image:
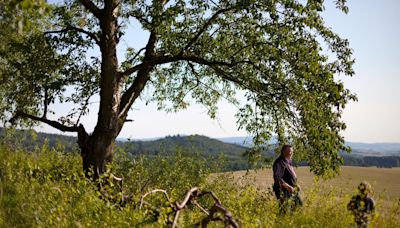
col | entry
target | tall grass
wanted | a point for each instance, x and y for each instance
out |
(46, 188)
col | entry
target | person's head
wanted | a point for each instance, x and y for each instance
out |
(287, 151)
(364, 188)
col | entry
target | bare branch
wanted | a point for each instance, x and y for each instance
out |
(190, 198)
(215, 198)
(201, 208)
(55, 124)
(133, 92)
(185, 201)
(187, 198)
(151, 192)
(196, 59)
(89, 5)
(196, 193)
(175, 222)
(228, 219)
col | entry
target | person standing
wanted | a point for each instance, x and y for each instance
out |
(286, 189)
(362, 205)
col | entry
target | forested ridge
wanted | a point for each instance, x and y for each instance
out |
(232, 154)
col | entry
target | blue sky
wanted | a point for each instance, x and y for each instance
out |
(373, 30)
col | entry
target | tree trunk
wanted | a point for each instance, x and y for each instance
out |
(97, 149)
(96, 152)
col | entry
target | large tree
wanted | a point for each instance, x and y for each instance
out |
(279, 53)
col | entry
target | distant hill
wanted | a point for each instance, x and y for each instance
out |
(375, 149)
(196, 144)
(358, 149)
(192, 144)
(242, 141)
(378, 154)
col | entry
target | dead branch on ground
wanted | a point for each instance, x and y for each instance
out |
(217, 212)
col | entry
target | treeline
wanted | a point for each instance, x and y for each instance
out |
(230, 155)
(30, 140)
(382, 162)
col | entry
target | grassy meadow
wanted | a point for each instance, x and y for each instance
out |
(46, 188)
(384, 181)
(336, 192)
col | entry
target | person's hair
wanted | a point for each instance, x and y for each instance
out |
(364, 187)
(285, 147)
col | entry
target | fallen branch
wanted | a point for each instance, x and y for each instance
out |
(151, 192)
(190, 198)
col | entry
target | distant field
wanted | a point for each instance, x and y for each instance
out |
(385, 181)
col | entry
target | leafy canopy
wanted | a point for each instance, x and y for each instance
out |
(279, 53)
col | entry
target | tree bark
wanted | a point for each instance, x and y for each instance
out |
(96, 152)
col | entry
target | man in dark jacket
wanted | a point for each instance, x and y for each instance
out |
(285, 181)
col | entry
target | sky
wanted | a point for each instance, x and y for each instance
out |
(372, 28)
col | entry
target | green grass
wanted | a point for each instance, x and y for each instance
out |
(46, 188)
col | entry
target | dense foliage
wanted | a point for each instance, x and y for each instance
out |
(47, 188)
(279, 54)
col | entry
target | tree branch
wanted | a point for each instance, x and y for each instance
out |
(72, 28)
(45, 102)
(180, 57)
(89, 34)
(89, 5)
(204, 27)
(198, 82)
(55, 124)
(131, 70)
(141, 79)
(215, 66)
(135, 68)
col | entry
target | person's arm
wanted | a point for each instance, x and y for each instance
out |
(351, 204)
(287, 186)
(372, 205)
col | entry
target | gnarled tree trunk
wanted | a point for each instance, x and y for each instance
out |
(96, 152)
